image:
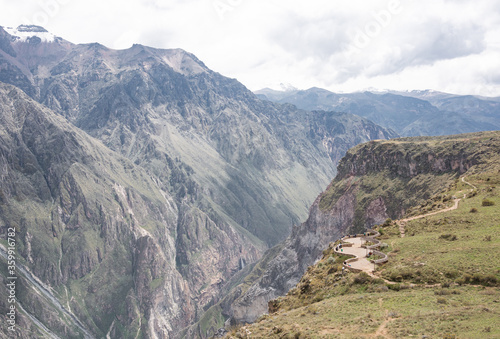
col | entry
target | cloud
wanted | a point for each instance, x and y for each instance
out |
(340, 45)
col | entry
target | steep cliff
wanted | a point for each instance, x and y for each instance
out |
(375, 181)
(97, 231)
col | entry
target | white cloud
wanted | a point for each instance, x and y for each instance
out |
(446, 45)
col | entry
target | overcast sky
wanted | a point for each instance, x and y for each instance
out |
(343, 46)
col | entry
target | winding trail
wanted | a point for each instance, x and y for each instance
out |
(402, 222)
(359, 253)
(361, 263)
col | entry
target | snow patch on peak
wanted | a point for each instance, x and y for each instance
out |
(30, 34)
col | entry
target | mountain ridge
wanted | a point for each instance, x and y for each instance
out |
(410, 113)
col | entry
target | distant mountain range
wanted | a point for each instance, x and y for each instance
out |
(414, 113)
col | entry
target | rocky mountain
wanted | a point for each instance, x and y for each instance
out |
(140, 182)
(375, 181)
(414, 113)
(94, 231)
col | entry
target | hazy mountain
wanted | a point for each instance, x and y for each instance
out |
(195, 178)
(412, 113)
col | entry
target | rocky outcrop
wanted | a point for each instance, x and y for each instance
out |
(408, 158)
(375, 181)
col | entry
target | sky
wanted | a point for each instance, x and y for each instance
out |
(343, 46)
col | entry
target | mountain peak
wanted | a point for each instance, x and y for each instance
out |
(31, 34)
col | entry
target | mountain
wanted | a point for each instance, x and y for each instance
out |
(194, 179)
(414, 113)
(441, 278)
(95, 229)
(375, 181)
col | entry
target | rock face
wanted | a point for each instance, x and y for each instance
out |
(205, 137)
(89, 223)
(140, 181)
(375, 181)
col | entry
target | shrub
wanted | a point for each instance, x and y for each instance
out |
(317, 298)
(333, 269)
(487, 202)
(387, 222)
(478, 279)
(473, 210)
(361, 279)
(442, 292)
(449, 237)
(394, 287)
(441, 300)
(472, 194)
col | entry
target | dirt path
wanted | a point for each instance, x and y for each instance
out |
(402, 222)
(382, 329)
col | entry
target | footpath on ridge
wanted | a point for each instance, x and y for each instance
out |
(402, 222)
(356, 245)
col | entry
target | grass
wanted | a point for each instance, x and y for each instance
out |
(442, 278)
(457, 246)
(416, 312)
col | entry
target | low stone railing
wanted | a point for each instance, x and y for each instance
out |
(382, 260)
(370, 235)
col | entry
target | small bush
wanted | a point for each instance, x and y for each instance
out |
(394, 287)
(478, 279)
(441, 301)
(317, 298)
(487, 202)
(473, 210)
(472, 194)
(442, 292)
(361, 279)
(387, 222)
(449, 237)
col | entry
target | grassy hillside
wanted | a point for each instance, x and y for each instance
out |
(442, 279)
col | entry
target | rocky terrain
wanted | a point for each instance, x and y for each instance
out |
(141, 183)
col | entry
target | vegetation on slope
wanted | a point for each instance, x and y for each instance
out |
(442, 279)
(407, 172)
